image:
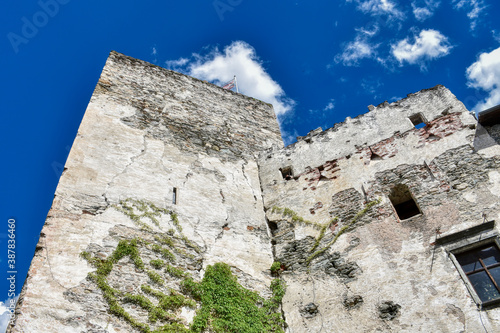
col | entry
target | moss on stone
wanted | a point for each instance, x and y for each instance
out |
(157, 263)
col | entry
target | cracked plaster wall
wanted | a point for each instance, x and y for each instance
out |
(376, 275)
(147, 130)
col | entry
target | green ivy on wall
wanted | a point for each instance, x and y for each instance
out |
(222, 304)
(295, 218)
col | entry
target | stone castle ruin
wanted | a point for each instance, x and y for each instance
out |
(180, 210)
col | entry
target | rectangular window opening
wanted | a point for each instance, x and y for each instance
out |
(418, 120)
(287, 172)
(174, 196)
(481, 268)
(403, 202)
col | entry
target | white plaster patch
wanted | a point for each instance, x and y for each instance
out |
(495, 180)
(187, 314)
(183, 94)
(302, 232)
(490, 151)
(470, 196)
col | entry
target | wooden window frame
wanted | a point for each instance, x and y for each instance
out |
(493, 240)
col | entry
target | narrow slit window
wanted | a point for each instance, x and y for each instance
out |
(418, 120)
(403, 202)
(287, 172)
(174, 196)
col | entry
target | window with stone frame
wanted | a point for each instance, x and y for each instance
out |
(287, 172)
(479, 266)
(403, 202)
(418, 120)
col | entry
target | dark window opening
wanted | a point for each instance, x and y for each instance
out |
(174, 196)
(481, 265)
(321, 168)
(374, 156)
(403, 202)
(273, 226)
(418, 120)
(287, 172)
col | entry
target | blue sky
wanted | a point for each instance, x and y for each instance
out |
(316, 61)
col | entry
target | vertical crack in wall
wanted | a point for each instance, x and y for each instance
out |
(269, 232)
(132, 160)
(245, 162)
(50, 266)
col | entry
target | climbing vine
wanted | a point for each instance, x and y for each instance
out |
(222, 304)
(295, 218)
(140, 210)
(342, 230)
(226, 306)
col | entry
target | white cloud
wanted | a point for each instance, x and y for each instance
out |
(330, 105)
(154, 53)
(473, 8)
(379, 8)
(176, 64)
(429, 45)
(370, 86)
(485, 74)
(354, 51)
(240, 59)
(5, 313)
(422, 10)
(368, 32)
(496, 35)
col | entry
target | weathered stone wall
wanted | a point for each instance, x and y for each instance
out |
(115, 247)
(147, 131)
(351, 265)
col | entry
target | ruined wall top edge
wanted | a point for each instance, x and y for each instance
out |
(192, 114)
(382, 122)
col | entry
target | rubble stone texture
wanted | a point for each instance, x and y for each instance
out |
(321, 207)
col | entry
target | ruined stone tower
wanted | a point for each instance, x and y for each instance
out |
(385, 222)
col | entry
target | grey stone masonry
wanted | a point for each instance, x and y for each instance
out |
(356, 212)
(192, 114)
(163, 165)
(368, 219)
